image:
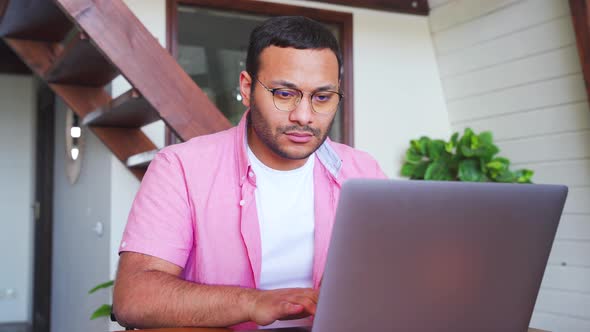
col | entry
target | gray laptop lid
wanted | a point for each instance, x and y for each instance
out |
(437, 256)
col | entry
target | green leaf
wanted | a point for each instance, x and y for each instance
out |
(486, 138)
(104, 310)
(420, 146)
(455, 138)
(439, 171)
(505, 176)
(450, 146)
(485, 152)
(524, 176)
(103, 285)
(420, 170)
(435, 149)
(482, 166)
(412, 156)
(469, 170)
(467, 151)
(498, 164)
(408, 169)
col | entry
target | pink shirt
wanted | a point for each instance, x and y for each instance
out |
(196, 207)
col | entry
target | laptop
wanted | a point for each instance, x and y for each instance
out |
(437, 256)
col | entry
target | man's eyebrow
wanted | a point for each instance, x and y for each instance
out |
(290, 85)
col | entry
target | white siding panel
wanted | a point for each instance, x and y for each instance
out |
(547, 93)
(513, 18)
(578, 201)
(569, 173)
(567, 277)
(460, 11)
(559, 119)
(574, 227)
(559, 323)
(539, 39)
(570, 253)
(564, 302)
(547, 148)
(541, 67)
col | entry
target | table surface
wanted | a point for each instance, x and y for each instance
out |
(293, 329)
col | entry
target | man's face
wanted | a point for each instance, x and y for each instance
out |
(284, 140)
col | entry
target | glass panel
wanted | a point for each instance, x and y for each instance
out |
(212, 46)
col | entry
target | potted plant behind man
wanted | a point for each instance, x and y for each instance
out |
(471, 157)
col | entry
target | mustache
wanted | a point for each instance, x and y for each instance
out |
(313, 131)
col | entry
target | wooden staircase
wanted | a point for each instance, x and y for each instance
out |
(79, 46)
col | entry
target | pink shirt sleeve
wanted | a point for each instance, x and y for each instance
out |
(160, 222)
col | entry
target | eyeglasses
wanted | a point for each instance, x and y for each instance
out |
(287, 99)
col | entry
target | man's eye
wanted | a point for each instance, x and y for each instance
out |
(285, 94)
(323, 97)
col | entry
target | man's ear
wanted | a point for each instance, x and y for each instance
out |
(245, 87)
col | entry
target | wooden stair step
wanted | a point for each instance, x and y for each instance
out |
(130, 110)
(40, 20)
(80, 63)
(141, 160)
(123, 142)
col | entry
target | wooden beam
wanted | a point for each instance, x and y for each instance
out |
(415, 7)
(124, 40)
(580, 10)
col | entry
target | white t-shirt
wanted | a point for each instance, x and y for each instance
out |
(285, 206)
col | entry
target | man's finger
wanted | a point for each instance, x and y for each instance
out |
(288, 308)
(306, 302)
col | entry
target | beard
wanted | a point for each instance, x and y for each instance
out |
(262, 129)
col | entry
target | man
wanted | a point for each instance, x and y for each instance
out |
(233, 228)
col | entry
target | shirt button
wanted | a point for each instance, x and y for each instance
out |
(242, 202)
(251, 174)
(124, 244)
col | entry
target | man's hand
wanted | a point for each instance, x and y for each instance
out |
(283, 304)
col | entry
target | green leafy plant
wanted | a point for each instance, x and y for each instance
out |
(471, 157)
(105, 309)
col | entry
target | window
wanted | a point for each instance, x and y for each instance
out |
(210, 39)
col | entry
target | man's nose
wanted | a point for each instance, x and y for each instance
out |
(303, 112)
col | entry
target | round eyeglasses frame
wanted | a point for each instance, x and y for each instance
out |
(274, 91)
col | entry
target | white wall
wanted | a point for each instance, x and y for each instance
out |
(512, 67)
(17, 174)
(80, 256)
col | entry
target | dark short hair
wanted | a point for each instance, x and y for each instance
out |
(290, 31)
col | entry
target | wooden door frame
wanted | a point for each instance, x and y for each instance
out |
(341, 19)
(43, 216)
